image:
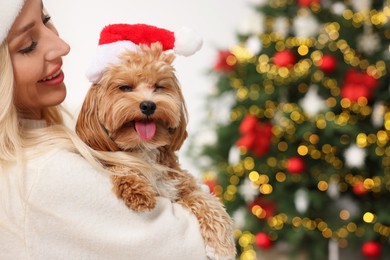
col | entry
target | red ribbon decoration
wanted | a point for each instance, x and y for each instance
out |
(221, 64)
(256, 136)
(358, 84)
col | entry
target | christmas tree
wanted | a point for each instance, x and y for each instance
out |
(301, 158)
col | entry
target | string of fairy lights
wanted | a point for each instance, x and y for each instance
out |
(311, 52)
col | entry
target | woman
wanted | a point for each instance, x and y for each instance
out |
(55, 198)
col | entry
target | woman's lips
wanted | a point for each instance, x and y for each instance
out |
(54, 79)
(52, 76)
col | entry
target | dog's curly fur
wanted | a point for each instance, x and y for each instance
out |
(143, 89)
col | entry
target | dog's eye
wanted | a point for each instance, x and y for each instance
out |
(126, 88)
(157, 87)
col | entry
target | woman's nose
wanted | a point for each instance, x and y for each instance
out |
(57, 47)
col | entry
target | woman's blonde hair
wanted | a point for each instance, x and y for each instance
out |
(9, 134)
(15, 140)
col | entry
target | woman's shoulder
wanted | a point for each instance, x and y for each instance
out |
(64, 165)
(62, 180)
(62, 170)
(59, 158)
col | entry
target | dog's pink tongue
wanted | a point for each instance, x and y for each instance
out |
(145, 129)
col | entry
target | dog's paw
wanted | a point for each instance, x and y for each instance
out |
(220, 250)
(139, 202)
(212, 255)
(217, 230)
(136, 193)
(216, 226)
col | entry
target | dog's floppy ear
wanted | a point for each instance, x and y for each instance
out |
(88, 126)
(179, 134)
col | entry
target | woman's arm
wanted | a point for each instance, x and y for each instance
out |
(72, 213)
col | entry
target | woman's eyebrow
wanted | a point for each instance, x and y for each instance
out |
(22, 30)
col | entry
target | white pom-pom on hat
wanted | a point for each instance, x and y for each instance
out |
(187, 42)
(117, 38)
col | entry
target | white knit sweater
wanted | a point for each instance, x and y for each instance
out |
(59, 207)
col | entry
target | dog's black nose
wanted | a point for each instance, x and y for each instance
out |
(147, 107)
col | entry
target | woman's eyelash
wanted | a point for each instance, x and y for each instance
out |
(29, 48)
(34, 44)
(46, 19)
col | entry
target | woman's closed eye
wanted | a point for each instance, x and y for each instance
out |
(30, 48)
(45, 19)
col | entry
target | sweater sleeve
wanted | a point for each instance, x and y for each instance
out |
(72, 213)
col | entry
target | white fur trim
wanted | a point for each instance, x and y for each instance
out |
(187, 41)
(107, 54)
(9, 11)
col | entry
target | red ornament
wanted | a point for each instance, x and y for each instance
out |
(328, 63)
(307, 3)
(211, 185)
(358, 188)
(358, 84)
(263, 241)
(226, 61)
(267, 205)
(295, 165)
(372, 249)
(284, 58)
(256, 136)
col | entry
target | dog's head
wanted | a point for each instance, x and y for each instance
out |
(137, 104)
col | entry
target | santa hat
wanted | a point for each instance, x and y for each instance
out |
(9, 11)
(117, 38)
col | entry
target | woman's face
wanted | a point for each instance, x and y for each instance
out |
(36, 52)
